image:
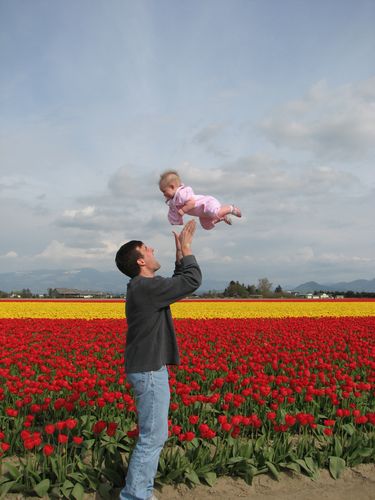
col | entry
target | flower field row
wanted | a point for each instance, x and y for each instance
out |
(196, 309)
(251, 395)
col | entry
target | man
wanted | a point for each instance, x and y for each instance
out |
(150, 346)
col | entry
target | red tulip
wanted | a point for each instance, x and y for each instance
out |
(48, 449)
(62, 438)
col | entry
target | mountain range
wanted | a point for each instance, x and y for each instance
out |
(82, 279)
(113, 282)
(343, 286)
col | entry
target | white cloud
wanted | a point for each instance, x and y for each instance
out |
(211, 138)
(332, 123)
(83, 212)
(308, 255)
(208, 133)
(60, 252)
(22, 187)
(294, 219)
(191, 103)
(260, 175)
(122, 183)
(9, 255)
(340, 258)
(208, 254)
(304, 254)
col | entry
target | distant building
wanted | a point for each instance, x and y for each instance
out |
(313, 296)
(72, 293)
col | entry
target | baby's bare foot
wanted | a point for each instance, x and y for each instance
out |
(236, 211)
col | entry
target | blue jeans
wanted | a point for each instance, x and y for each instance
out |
(152, 395)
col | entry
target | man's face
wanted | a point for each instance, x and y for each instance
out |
(148, 258)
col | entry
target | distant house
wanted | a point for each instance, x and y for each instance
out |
(72, 293)
(322, 295)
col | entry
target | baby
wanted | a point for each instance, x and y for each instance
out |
(182, 200)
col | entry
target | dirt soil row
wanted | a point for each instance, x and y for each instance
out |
(357, 483)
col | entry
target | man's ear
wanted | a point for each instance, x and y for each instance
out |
(140, 261)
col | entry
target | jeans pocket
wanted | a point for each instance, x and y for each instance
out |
(138, 382)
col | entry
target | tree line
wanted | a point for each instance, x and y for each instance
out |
(235, 289)
(264, 289)
(25, 293)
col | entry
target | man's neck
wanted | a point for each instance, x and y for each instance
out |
(146, 273)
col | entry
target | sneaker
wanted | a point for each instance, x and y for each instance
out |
(236, 211)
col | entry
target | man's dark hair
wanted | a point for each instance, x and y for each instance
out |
(127, 256)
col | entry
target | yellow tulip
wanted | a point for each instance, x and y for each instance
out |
(196, 309)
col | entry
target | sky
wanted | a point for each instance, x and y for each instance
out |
(266, 104)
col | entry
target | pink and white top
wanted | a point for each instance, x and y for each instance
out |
(206, 207)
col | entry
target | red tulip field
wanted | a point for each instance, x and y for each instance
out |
(263, 387)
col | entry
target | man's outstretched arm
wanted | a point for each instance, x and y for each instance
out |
(184, 240)
(187, 276)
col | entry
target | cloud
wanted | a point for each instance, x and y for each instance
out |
(122, 183)
(259, 175)
(130, 199)
(211, 138)
(309, 255)
(331, 123)
(208, 133)
(293, 216)
(209, 254)
(85, 218)
(340, 258)
(11, 183)
(9, 255)
(21, 186)
(84, 212)
(275, 198)
(60, 254)
(82, 224)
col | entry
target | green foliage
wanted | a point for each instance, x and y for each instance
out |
(336, 466)
(195, 462)
(235, 289)
(239, 290)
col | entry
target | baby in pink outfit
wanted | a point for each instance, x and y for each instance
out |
(182, 200)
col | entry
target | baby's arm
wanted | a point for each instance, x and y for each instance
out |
(189, 205)
(173, 216)
(185, 199)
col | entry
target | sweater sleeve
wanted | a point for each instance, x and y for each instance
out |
(178, 267)
(173, 216)
(183, 195)
(185, 280)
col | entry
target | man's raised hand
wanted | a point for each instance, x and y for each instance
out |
(186, 237)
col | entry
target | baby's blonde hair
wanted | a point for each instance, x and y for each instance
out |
(169, 177)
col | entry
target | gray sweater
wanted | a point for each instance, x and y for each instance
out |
(151, 339)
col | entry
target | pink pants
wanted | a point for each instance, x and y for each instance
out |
(206, 208)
